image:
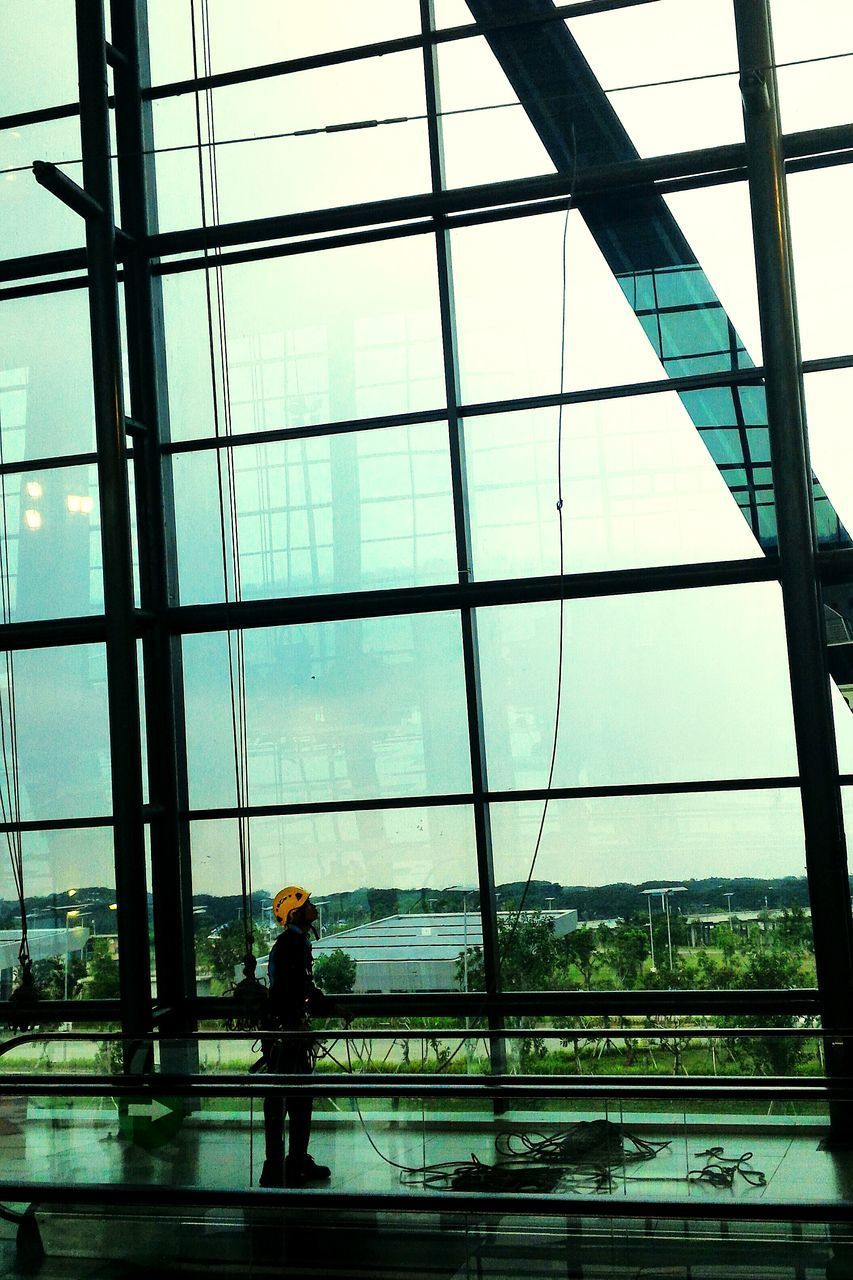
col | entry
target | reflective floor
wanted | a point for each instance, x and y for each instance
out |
(774, 1159)
(779, 1159)
(662, 1157)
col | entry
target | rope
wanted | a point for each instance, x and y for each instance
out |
(10, 792)
(562, 555)
(236, 652)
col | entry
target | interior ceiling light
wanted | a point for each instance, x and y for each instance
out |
(32, 519)
(33, 489)
(77, 504)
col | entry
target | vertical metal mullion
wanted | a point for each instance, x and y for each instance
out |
(470, 651)
(122, 674)
(171, 877)
(826, 853)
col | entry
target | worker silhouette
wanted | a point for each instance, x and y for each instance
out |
(293, 998)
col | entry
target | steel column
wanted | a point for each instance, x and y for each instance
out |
(122, 674)
(171, 880)
(826, 854)
(462, 529)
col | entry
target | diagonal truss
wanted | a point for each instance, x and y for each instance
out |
(650, 257)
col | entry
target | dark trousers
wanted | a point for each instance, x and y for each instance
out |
(288, 1058)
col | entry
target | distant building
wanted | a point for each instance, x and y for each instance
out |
(45, 944)
(419, 952)
(700, 928)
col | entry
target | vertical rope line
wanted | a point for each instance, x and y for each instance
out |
(243, 739)
(562, 551)
(562, 602)
(218, 385)
(10, 794)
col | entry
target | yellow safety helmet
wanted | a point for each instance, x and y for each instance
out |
(288, 900)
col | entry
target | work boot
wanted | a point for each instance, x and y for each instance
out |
(272, 1174)
(300, 1170)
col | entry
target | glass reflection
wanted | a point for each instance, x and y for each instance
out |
(342, 512)
(664, 687)
(339, 710)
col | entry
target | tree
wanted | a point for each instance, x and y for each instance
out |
(625, 951)
(335, 973)
(103, 983)
(794, 928)
(769, 968)
(580, 948)
(531, 958)
(726, 939)
(49, 977)
(227, 950)
(382, 903)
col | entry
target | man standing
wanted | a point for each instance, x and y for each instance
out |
(293, 999)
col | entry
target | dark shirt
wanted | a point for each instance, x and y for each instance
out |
(294, 998)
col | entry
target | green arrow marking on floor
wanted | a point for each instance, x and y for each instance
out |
(152, 1122)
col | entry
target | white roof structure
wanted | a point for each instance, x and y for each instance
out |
(44, 943)
(418, 952)
(428, 936)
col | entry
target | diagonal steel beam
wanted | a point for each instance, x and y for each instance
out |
(642, 243)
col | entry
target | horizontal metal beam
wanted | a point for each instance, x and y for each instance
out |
(312, 62)
(593, 180)
(480, 203)
(459, 1005)
(196, 619)
(455, 1034)
(480, 1206)
(552, 1004)
(224, 813)
(589, 395)
(53, 633)
(461, 798)
(347, 1084)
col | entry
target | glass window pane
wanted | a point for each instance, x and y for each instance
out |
(670, 686)
(828, 406)
(46, 404)
(380, 877)
(69, 884)
(687, 102)
(52, 518)
(34, 221)
(507, 283)
(39, 40)
(271, 33)
(261, 172)
(349, 512)
(639, 303)
(737, 858)
(820, 231)
(62, 729)
(819, 38)
(639, 488)
(451, 13)
(339, 710)
(717, 222)
(319, 337)
(487, 135)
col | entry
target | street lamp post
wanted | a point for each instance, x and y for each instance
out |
(663, 892)
(464, 889)
(68, 914)
(677, 888)
(648, 893)
(728, 897)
